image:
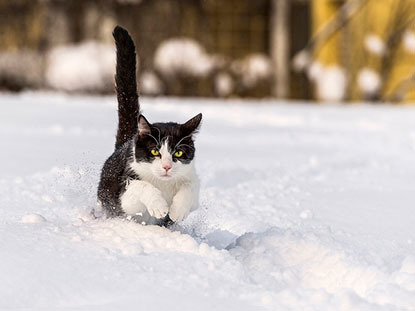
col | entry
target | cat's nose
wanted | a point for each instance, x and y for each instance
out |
(167, 167)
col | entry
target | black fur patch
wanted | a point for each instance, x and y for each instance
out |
(126, 86)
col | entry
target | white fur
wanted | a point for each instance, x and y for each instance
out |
(184, 200)
(157, 190)
(166, 157)
(150, 199)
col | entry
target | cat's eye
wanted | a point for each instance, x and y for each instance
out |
(154, 152)
(178, 154)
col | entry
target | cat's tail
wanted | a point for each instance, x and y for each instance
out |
(126, 86)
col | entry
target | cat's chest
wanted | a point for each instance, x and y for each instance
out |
(168, 189)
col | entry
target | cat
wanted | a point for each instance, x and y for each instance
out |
(151, 174)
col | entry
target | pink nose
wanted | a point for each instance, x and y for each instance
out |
(167, 167)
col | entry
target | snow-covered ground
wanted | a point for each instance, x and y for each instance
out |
(303, 207)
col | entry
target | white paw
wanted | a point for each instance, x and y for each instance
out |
(178, 212)
(158, 208)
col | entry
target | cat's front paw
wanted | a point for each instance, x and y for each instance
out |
(178, 212)
(158, 208)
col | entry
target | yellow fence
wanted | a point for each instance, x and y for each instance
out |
(374, 44)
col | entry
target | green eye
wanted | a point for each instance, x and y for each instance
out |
(178, 154)
(154, 152)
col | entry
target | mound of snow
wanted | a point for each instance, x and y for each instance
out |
(86, 67)
(291, 259)
(329, 274)
(183, 56)
(33, 218)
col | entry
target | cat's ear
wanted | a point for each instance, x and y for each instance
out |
(192, 126)
(144, 127)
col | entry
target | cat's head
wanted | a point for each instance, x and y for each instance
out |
(165, 150)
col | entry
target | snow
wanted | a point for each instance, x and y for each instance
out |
(150, 84)
(224, 84)
(302, 60)
(302, 207)
(369, 81)
(33, 218)
(253, 69)
(409, 41)
(183, 56)
(375, 44)
(315, 71)
(86, 67)
(331, 83)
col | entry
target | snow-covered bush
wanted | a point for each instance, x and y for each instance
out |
(183, 56)
(21, 69)
(252, 69)
(87, 67)
(186, 68)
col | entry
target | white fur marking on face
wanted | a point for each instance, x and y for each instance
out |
(166, 158)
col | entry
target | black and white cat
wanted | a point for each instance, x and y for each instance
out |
(151, 174)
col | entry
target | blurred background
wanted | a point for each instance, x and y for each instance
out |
(326, 50)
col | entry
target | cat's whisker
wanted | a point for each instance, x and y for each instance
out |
(182, 140)
(159, 132)
(157, 142)
(191, 147)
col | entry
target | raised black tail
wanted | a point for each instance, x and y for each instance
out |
(126, 86)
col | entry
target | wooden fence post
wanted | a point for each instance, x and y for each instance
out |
(280, 47)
